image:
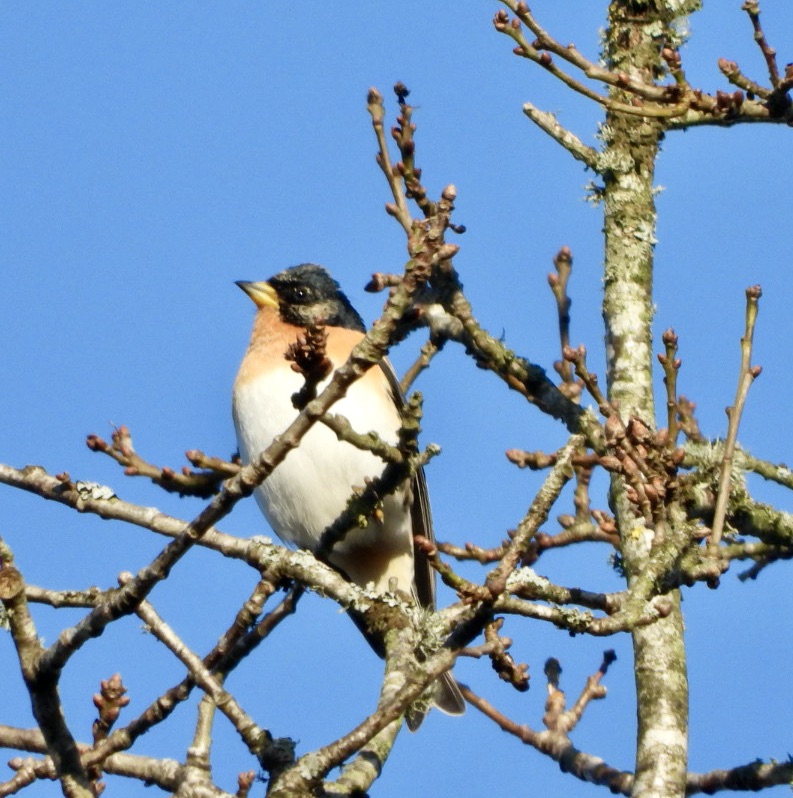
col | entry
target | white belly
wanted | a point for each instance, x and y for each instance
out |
(312, 486)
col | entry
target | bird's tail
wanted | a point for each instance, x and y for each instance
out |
(446, 697)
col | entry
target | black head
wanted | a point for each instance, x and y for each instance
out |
(306, 295)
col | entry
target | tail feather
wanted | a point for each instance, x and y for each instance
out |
(446, 697)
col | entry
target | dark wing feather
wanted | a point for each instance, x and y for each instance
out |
(448, 697)
(420, 515)
(447, 694)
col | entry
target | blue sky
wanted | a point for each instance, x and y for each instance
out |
(154, 153)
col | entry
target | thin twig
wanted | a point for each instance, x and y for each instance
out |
(558, 477)
(204, 678)
(399, 210)
(186, 483)
(748, 374)
(752, 8)
(732, 72)
(422, 362)
(666, 102)
(558, 280)
(548, 123)
(671, 365)
(556, 746)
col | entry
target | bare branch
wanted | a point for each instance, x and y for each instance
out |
(671, 365)
(400, 210)
(560, 474)
(556, 745)
(187, 483)
(548, 123)
(41, 682)
(752, 8)
(748, 374)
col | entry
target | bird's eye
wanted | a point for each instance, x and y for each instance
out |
(301, 294)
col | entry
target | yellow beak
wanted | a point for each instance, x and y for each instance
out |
(262, 294)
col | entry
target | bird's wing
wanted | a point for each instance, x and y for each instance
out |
(447, 696)
(420, 514)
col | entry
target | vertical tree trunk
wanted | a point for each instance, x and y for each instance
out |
(637, 32)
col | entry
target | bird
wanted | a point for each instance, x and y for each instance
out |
(308, 491)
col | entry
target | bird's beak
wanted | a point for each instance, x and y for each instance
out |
(263, 294)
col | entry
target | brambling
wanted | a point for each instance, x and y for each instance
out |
(312, 486)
